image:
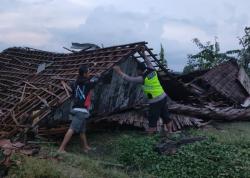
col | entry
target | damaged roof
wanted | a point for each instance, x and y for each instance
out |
(33, 82)
(225, 79)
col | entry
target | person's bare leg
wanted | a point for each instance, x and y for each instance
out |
(151, 130)
(66, 139)
(84, 142)
(169, 127)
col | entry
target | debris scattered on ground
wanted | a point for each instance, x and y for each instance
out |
(169, 147)
(8, 148)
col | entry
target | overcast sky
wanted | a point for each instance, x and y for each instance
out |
(52, 24)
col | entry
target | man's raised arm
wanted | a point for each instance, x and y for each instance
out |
(138, 79)
(147, 61)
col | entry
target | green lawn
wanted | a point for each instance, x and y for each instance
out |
(226, 153)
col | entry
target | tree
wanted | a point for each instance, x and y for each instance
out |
(244, 53)
(162, 56)
(208, 57)
(190, 67)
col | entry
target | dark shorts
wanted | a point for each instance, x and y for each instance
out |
(157, 110)
(78, 123)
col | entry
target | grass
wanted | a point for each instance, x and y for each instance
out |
(70, 165)
(226, 153)
(100, 163)
(236, 133)
(203, 159)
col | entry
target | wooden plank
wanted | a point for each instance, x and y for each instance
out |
(211, 112)
(244, 79)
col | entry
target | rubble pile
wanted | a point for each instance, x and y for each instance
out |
(35, 85)
(221, 93)
(35, 90)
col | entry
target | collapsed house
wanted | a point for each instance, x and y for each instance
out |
(35, 85)
(35, 90)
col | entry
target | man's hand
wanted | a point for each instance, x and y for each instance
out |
(98, 75)
(143, 50)
(117, 69)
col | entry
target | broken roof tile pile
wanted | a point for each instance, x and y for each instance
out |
(33, 82)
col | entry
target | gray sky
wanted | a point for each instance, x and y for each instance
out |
(51, 24)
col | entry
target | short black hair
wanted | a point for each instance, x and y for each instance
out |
(83, 69)
(141, 66)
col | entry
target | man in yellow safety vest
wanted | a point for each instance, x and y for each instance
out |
(154, 92)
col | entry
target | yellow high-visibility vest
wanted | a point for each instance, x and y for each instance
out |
(152, 87)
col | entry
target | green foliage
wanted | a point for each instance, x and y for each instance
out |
(163, 60)
(203, 159)
(245, 51)
(208, 57)
(190, 67)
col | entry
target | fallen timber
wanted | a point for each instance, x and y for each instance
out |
(209, 112)
(169, 147)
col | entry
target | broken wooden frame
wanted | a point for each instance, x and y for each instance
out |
(29, 92)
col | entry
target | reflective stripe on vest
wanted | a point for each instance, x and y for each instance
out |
(152, 87)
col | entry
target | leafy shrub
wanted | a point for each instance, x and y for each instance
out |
(202, 159)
